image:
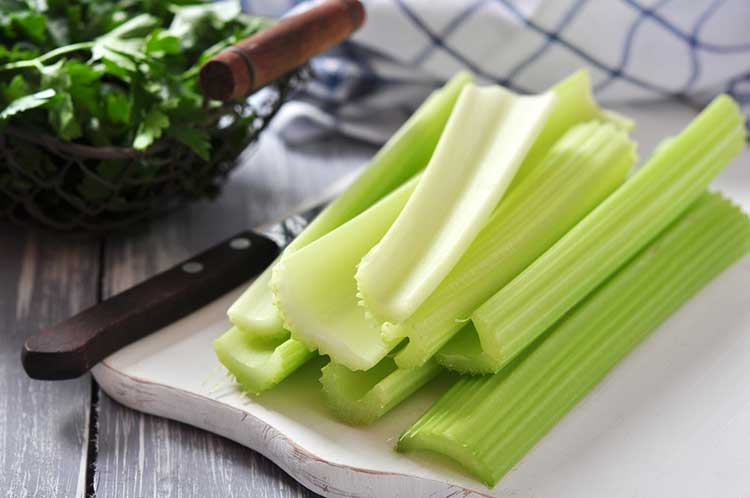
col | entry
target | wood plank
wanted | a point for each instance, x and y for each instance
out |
(142, 455)
(43, 425)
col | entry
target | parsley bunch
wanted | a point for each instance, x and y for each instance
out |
(119, 72)
(102, 122)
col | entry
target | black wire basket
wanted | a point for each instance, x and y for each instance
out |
(83, 188)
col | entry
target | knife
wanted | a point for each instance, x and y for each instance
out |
(69, 349)
(72, 347)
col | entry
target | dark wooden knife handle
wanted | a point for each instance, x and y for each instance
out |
(275, 51)
(69, 349)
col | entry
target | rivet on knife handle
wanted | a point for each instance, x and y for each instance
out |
(275, 51)
(71, 348)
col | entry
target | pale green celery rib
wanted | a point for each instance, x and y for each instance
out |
(574, 105)
(611, 234)
(487, 424)
(485, 140)
(316, 294)
(361, 398)
(254, 311)
(405, 154)
(585, 166)
(464, 354)
(259, 364)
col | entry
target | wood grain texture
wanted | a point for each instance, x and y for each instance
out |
(275, 51)
(141, 455)
(43, 425)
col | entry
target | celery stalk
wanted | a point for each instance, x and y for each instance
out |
(487, 424)
(316, 294)
(485, 140)
(254, 311)
(406, 153)
(464, 354)
(574, 105)
(582, 169)
(677, 173)
(362, 397)
(256, 363)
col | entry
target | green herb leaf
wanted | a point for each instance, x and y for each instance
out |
(84, 86)
(160, 43)
(118, 107)
(81, 74)
(125, 42)
(31, 24)
(17, 52)
(195, 138)
(150, 129)
(62, 117)
(16, 89)
(190, 19)
(27, 102)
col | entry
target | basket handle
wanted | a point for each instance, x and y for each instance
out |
(273, 52)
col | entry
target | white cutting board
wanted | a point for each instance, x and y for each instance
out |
(673, 419)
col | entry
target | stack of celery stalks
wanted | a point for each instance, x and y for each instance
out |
(502, 237)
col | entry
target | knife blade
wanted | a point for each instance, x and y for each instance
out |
(72, 347)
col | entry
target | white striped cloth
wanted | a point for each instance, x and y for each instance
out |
(635, 50)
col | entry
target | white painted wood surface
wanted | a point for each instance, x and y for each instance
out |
(672, 420)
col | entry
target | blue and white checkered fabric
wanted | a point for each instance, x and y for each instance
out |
(688, 50)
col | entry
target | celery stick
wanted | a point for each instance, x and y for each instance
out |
(678, 172)
(485, 140)
(464, 354)
(487, 424)
(316, 294)
(259, 364)
(254, 311)
(574, 105)
(362, 397)
(581, 170)
(406, 153)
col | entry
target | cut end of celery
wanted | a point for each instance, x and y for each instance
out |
(350, 394)
(621, 121)
(404, 155)
(360, 398)
(393, 331)
(316, 294)
(575, 104)
(419, 350)
(464, 354)
(254, 310)
(259, 364)
(444, 444)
